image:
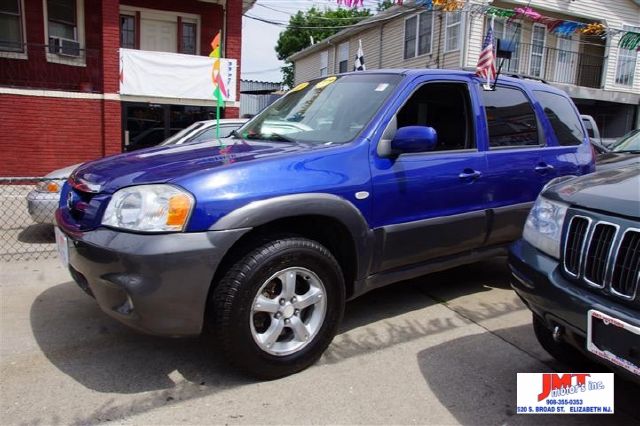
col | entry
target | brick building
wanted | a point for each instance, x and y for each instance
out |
(60, 75)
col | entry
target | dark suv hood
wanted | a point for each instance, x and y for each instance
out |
(614, 160)
(163, 164)
(616, 191)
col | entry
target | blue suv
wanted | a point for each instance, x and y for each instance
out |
(347, 183)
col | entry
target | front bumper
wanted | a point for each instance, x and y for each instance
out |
(42, 206)
(157, 283)
(537, 279)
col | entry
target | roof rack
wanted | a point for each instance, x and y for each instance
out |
(526, 77)
(512, 74)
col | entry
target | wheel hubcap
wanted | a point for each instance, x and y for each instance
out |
(288, 311)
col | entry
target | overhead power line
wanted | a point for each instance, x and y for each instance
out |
(354, 18)
(309, 27)
(261, 71)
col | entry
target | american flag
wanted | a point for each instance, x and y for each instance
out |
(486, 62)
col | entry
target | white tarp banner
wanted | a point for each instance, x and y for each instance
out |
(173, 75)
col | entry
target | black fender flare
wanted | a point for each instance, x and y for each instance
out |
(260, 212)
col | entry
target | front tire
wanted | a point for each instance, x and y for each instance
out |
(277, 309)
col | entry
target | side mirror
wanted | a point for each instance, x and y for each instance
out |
(414, 139)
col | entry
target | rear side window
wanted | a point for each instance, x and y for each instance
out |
(589, 127)
(510, 117)
(562, 116)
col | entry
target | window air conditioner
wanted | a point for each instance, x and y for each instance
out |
(64, 47)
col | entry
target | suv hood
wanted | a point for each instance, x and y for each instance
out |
(615, 190)
(163, 164)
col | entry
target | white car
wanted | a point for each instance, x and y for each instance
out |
(42, 202)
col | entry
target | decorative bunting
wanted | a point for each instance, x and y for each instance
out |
(527, 12)
(448, 5)
(500, 13)
(356, 3)
(551, 23)
(567, 28)
(428, 4)
(594, 29)
(629, 40)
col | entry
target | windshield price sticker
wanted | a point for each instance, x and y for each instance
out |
(300, 86)
(327, 81)
(381, 87)
(565, 393)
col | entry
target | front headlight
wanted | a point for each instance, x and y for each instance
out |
(49, 186)
(544, 226)
(149, 208)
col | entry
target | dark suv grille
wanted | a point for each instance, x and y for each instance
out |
(575, 241)
(598, 253)
(626, 270)
(603, 255)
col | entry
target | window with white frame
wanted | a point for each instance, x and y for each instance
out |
(453, 31)
(509, 32)
(128, 31)
(626, 63)
(11, 26)
(159, 30)
(536, 61)
(418, 34)
(188, 38)
(343, 57)
(64, 31)
(62, 19)
(410, 32)
(324, 63)
(425, 32)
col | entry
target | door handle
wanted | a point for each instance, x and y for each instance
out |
(543, 167)
(470, 174)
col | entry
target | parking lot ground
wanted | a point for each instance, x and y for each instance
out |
(441, 349)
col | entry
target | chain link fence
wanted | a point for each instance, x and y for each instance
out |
(26, 225)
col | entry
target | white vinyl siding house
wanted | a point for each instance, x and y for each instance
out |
(414, 39)
(593, 70)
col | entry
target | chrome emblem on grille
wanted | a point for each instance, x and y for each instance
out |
(70, 200)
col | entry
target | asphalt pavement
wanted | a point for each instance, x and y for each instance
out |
(441, 349)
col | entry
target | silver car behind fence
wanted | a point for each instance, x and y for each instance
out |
(26, 232)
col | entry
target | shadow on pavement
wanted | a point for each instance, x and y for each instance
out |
(107, 357)
(478, 386)
(37, 234)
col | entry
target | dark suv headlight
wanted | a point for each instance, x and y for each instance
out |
(543, 228)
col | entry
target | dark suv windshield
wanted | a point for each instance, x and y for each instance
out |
(329, 110)
(629, 142)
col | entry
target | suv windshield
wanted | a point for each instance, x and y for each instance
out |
(330, 110)
(629, 143)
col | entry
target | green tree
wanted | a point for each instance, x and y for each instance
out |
(315, 23)
(385, 4)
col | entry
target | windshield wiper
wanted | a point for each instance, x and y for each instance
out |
(629, 151)
(280, 137)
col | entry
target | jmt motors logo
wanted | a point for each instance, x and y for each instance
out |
(565, 393)
(562, 384)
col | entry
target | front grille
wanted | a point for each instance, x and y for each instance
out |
(575, 241)
(598, 253)
(603, 254)
(626, 269)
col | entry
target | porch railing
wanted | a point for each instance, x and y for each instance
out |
(556, 65)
